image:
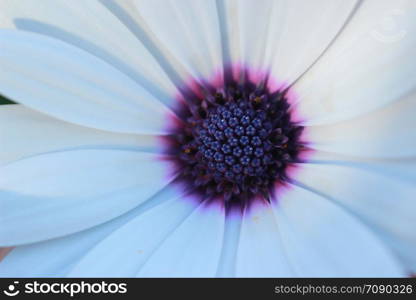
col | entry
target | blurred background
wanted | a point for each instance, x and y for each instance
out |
(5, 101)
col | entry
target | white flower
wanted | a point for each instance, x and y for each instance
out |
(87, 189)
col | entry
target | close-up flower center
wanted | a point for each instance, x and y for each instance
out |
(211, 138)
(236, 142)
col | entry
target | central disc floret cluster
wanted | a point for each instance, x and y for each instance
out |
(235, 143)
(232, 142)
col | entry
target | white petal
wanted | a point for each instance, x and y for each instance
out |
(192, 250)
(231, 238)
(261, 252)
(370, 65)
(400, 168)
(285, 36)
(123, 252)
(188, 29)
(387, 132)
(59, 193)
(383, 202)
(323, 240)
(25, 132)
(59, 256)
(128, 14)
(52, 258)
(68, 83)
(94, 28)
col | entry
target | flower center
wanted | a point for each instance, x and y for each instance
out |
(235, 143)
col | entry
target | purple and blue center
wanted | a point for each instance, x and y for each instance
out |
(235, 142)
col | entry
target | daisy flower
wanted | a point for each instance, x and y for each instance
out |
(202, 138)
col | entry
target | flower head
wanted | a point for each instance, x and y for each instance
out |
(207, 138)
(234, 143)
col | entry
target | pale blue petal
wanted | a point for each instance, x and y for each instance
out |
(260, 251)
(192, 250)
(55, 194)
(92, 27)
(382, 201)
(385, 133)
(25, 132)
(70, 84)
(321, 239)
(127, 249)
(370, 65)
(188, 33)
